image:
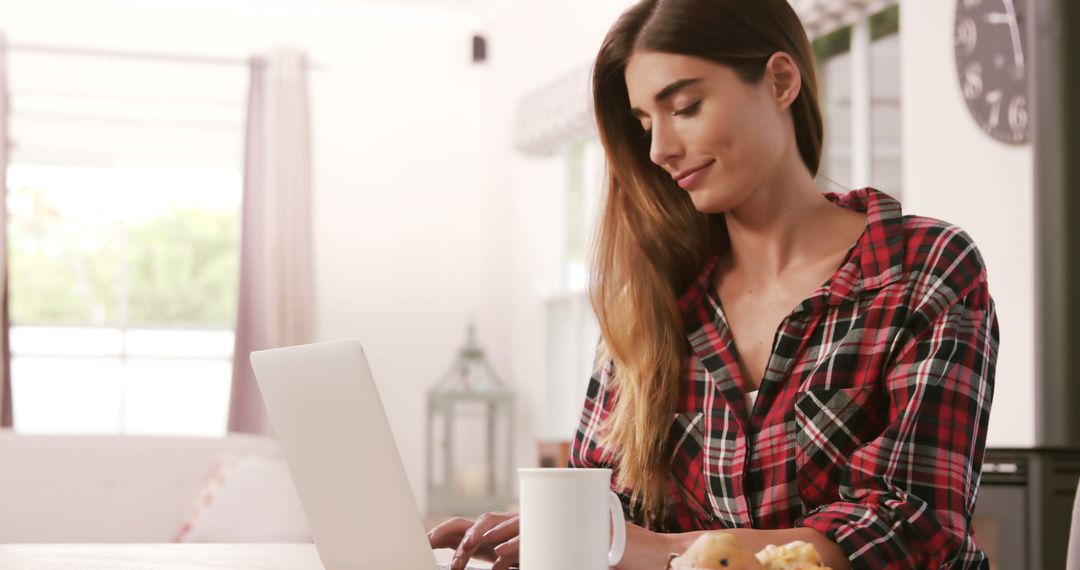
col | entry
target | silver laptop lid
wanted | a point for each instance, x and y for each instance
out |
(326, 413)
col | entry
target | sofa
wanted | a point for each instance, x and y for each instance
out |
(145, 489)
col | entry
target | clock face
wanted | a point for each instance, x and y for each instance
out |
(991, 63)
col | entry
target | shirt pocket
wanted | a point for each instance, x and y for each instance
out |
(830, 426)
(688, 477)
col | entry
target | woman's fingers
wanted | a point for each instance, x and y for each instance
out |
(503, 532)
(507, 554)
(449, 533)
(473, 539)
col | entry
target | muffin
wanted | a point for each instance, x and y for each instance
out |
(715, 551)
(723, 551)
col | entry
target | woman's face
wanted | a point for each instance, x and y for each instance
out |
(719, 137)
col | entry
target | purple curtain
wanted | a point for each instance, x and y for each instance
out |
(276, 305)
(245, 405)
(7, 416)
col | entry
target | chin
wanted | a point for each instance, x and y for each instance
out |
(713, 200)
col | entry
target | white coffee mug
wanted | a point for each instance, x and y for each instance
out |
(566, 519)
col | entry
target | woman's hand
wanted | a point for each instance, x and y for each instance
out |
(493, 537)
(647, 550)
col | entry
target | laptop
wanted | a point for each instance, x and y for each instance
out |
(325, 410)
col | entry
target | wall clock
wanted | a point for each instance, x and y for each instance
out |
(991, 65)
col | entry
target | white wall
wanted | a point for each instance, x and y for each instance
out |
(953, 171)
(398, 188)
(532, 44)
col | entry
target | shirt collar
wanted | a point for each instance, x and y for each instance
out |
(876, 260)
(879, 254)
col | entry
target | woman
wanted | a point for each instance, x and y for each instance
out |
(828, 362)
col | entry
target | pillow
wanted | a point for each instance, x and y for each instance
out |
(246, 499)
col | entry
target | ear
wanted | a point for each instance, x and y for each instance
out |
(785, 79)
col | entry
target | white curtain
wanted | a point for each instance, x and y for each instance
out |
(276, 283)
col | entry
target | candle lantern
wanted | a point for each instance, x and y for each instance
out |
(470, 438)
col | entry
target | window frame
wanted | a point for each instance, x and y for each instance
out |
(857, 39)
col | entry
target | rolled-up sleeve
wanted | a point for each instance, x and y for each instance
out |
(907, 496)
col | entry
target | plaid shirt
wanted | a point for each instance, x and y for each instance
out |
(870, 422)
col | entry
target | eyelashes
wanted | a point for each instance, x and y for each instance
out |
(688, 111)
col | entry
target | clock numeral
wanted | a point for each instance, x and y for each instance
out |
(973, 84)
(1018, 115)
(994, 99)
(967, 34)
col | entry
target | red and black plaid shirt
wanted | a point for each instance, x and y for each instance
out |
(870, 422)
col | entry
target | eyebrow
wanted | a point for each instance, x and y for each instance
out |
(666, 92)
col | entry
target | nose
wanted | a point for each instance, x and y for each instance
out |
(665, 145)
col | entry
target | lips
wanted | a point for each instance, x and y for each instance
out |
(689, 178)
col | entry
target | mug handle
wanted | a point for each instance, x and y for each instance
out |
(618, 524)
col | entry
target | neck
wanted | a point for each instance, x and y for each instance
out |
(774, 229)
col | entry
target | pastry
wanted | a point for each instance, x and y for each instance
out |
(715, 551)
(723, 551)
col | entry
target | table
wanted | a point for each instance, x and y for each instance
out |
(167, 557)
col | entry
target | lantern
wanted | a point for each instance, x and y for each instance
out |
(470, 438)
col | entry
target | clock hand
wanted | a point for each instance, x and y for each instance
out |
(998, 18)
(1014, 28)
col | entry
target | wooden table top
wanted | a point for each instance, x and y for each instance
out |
(167, 557)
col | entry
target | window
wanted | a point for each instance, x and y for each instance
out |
(860, 100)
(124, 193)
(572, 329)
(584, 174)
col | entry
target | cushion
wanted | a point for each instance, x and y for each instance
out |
(128, 488)
(246, 499)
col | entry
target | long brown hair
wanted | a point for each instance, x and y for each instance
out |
(652, 241)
